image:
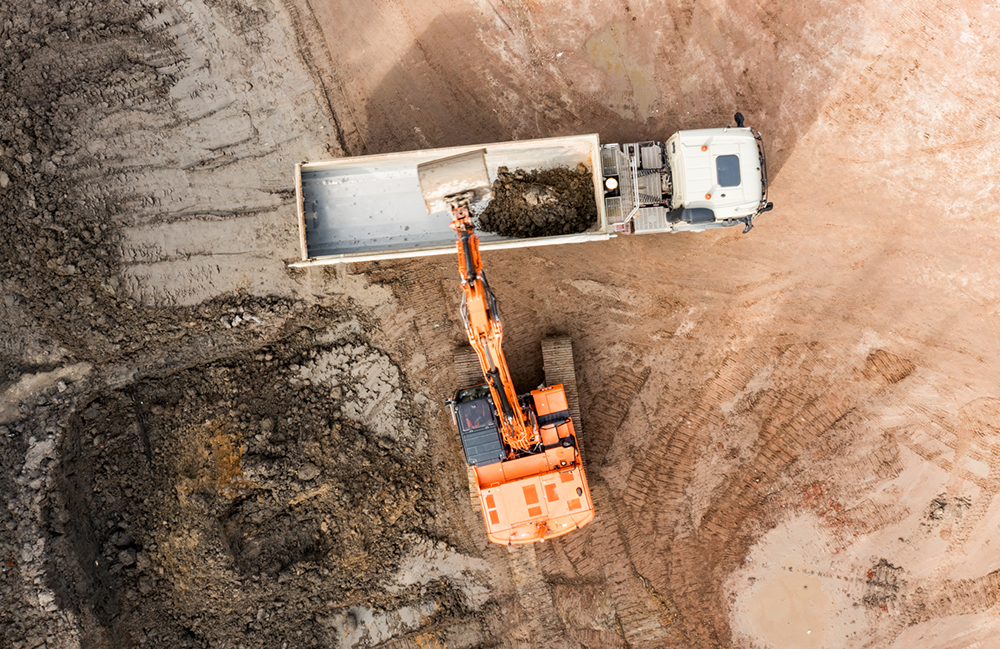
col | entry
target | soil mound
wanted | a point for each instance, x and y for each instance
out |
(540, 203)
(268, 480)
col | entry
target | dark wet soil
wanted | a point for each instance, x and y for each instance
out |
(540, 203)
(235, 502)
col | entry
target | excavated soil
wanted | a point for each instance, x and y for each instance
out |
(260, 487)
(541, 203)
(792, 435)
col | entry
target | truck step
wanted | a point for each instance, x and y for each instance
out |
(468, 371)
(613, 207)
(557, 362)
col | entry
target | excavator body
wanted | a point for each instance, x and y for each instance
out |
(523, 451)
(533, 497)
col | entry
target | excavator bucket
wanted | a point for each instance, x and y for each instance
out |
(448, 181)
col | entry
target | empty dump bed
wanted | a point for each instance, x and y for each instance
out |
(365, 208)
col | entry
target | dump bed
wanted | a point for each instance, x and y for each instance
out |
(371, 207)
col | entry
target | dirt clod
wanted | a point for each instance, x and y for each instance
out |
(541, 203)
(882, 584)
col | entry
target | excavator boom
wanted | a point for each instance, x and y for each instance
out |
(485, 332)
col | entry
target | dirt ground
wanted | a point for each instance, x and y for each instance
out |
(792, 436)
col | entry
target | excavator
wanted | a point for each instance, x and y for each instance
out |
(523, 451)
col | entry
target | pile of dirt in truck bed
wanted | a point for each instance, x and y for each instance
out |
(540, 203)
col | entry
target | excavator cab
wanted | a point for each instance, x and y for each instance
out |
(473, 413)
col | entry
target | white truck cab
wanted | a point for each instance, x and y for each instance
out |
(698, 179)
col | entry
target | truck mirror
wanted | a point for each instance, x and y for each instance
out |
(739, 120)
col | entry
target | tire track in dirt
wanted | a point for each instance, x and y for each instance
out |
(425, 320)
(611, 405)
(312, 49)
(938, 596)
(933, 599)
(601, 552)
(698, 554)
(546, 627)
(977, 439)
(975, 455)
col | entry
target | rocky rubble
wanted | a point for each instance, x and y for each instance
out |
(239, 482)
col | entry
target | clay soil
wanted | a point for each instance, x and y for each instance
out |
(792, 435)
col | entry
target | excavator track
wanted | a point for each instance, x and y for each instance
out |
(468, 371)
(557, 362)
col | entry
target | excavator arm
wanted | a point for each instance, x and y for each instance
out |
(518, 424)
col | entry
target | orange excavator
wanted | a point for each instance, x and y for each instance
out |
(522, 449)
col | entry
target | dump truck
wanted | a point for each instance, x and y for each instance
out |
(371, 207)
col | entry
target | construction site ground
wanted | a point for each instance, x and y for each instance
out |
(792, 436)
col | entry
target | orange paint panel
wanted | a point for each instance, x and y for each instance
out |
(494, 517)
(550, 399)
(551, 494)
(490, 502)
(550, 435)
(490, 475)
(524, 467)
(566, 476)
(534, 511)
(556, 456)
(573, 504)
(530, 495)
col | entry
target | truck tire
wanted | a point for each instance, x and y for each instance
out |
(557, 362)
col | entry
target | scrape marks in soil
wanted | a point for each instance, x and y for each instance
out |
(892, 368)
(611, 405)
(788, 398)
(969, 450)
(535, 598)
(898, 604)
(424, 320)
(603, 551)
(661, 465)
